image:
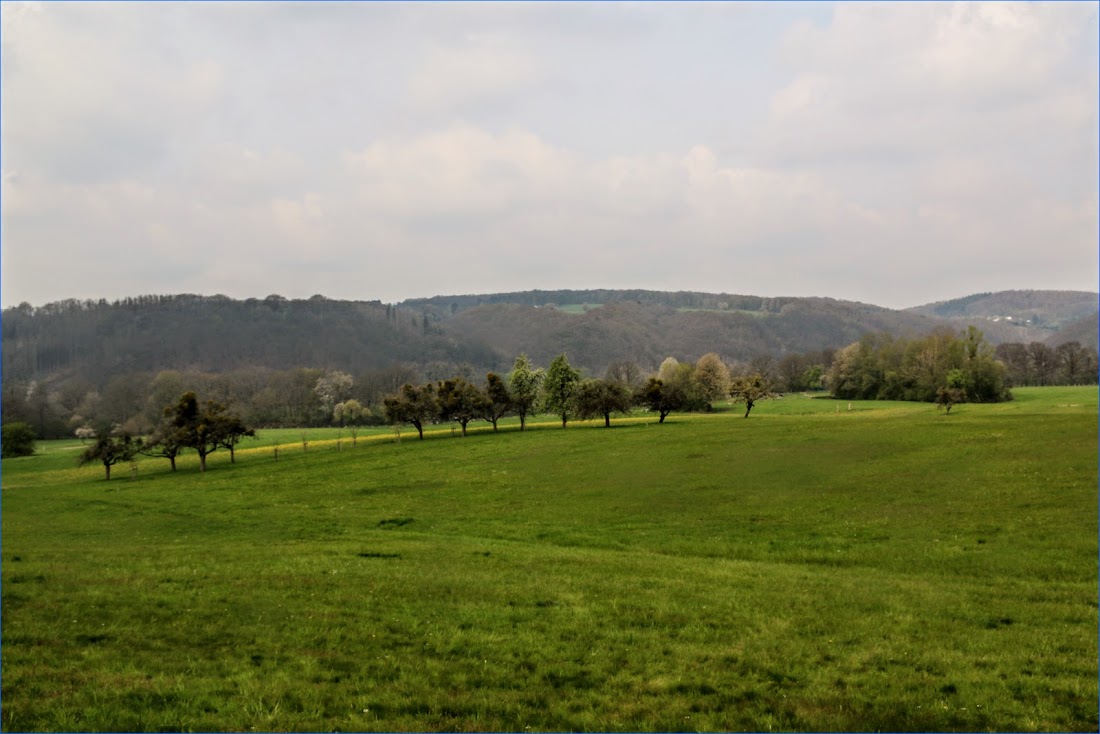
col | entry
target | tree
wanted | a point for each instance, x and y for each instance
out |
(748, 389)
(667, 371)
(525, 385)
(1073, 360)
(17, 439)
(461, 401)
(953, 392)
(331, 389)
(414, 405)
(1017, 364)
(111, 450)
(661, 398)
(601, 397)
(626, 373)
(349, 412)
(1044, 362)
(814, 377)
(230, 430)
(712, 378)
(498, 400)
(204, 427)
(559, 386)
(164, 442)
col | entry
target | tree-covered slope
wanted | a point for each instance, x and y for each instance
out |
(1041, 309)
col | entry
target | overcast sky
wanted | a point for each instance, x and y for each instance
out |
(888, 153)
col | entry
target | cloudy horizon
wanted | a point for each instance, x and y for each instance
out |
(888, 153)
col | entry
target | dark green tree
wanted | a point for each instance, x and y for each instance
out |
(461, 401)
(231, 430)
(111, 450)
(204, 427)
(413, 405)
(499, 400)
(661, 398)
(601, 398)
(17, 439)
(559, 386)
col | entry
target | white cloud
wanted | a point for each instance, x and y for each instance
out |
(483, 70)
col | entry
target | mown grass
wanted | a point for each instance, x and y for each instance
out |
(887, 567)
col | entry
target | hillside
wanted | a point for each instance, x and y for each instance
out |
(647, 333)
(1083, 330)
(96, 340)
(1048, 310)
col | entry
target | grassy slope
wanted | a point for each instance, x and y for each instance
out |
(884, 567)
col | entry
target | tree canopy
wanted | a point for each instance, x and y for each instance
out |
(17, 439)
(559, 386)
(413, 405)
(525, 386)
(595, 398)
(110, 450)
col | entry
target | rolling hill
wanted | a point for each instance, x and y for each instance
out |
(95, 340)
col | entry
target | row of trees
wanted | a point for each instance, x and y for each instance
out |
(563, 391)
(1038, 364)
(316, 397)
(203, 427)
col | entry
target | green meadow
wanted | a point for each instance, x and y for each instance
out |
(819, 566)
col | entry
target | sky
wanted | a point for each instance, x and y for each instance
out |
(889, 153)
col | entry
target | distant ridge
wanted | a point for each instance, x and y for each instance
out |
(95, 341)
(1043, 309)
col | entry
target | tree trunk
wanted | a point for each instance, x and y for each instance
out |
(108, 468)
(563, 419)
(172, 461)
(607, 420)
(748, 407)
(523, 421)
(419, 430)
(494, 425)
(202, 461)
(232, 458)
(663, 416)
(463, 428)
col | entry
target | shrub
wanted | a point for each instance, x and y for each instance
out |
(17, 439)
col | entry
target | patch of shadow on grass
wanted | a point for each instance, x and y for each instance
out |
(395, 522)
(372, 554)
(25, 579)
(993, 624)
(576, 680)
(92, 639)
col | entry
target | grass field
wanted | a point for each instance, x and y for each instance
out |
(814, 567)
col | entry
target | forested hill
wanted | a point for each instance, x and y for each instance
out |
(96, 340)
(1043, 309)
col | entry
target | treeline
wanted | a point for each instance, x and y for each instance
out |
(99, 339)
(883, 366)
(266, 398)
(876, 366)
(302, 397)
